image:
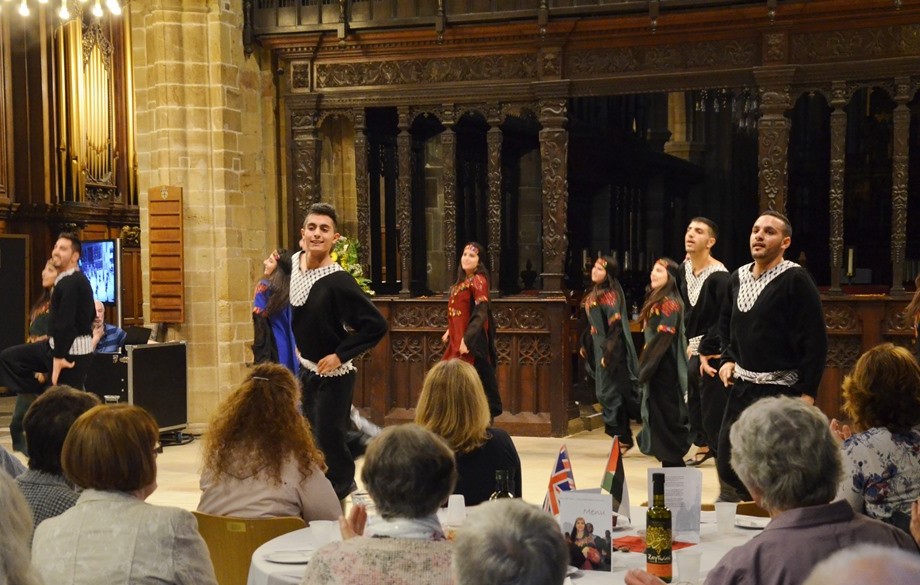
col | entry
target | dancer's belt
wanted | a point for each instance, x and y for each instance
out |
(694, 344)
(82, 345)
(345, 368)
(779, 377)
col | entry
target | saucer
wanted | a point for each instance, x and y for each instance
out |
(290, 557)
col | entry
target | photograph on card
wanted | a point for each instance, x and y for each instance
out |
(586, 520)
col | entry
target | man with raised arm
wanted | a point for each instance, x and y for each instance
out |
(775, 342)
(325, 299)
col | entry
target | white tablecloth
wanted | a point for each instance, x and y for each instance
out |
(262, 572)
(713, 546)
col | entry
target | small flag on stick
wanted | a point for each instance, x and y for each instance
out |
(615, 480)
(561, 480)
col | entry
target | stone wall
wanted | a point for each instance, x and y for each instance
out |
(205, 122)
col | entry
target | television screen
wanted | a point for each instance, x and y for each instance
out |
(99, 262)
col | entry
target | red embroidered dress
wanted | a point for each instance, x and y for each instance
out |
(463, 322)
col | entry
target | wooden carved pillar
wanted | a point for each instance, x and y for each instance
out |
(838, 160)
(362, 189)
(449, 154)
(899, 157)
(554, 141)
(305, 153)
(403, 198)
(494, 144)
(773, 137)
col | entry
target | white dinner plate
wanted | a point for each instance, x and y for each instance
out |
(290, 557)
(752, 523)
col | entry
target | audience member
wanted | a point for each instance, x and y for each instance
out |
(15, 530)
(512, 543)
(409, 472)
(795, 481)
(260, 457)
(867, 564)
(107, 338)
(453, 405)
(111, 536)
(8, 463)
(47, 422)
(881, 461)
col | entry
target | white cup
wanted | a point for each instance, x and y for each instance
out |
(725, 516)
(324, 531)
(688, 565)
(456, 510)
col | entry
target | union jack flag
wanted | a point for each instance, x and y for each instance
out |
(561, 480)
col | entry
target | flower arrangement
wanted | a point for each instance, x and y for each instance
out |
(345, 252)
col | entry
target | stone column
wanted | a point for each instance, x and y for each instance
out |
(404, 198)
(449, 154)
(838, 166)
(773, 136)
(305, 152)
(900, 154)
(554, 141)
(494, 145)
(205, 121)
(362, 189)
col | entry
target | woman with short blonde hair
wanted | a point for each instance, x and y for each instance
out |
(453, 406)
(260, 457)
(111, 535)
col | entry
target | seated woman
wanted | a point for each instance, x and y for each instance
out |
(260, 458)
(881, 461)
(111, 536)
(453, 406)
(408, 472)
(15, 532)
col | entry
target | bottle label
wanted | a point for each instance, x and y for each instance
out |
(658, 550)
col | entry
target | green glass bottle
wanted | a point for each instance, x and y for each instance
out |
(502, 485)
(658, 533)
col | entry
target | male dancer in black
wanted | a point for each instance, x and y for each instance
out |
(775, 341)
(325, 298)
(67, 352)
(703, 285)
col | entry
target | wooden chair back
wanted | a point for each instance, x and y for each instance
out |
(231, 541)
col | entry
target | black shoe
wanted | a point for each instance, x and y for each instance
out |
(699, 458)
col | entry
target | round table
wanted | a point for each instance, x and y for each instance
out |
(263, 572)
(713, 546)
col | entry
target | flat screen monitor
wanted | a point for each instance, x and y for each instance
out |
(100, 261)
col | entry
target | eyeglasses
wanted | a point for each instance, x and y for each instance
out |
(157, 447)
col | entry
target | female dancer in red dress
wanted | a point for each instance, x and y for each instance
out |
(470, 334)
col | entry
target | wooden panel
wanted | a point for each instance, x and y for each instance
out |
(533, 350)
(132, 306)
(167, 274)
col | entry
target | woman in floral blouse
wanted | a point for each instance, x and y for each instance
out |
(470, 333)
(665, 432)
(881, 460)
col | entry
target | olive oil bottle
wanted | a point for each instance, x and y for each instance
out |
(658, 533)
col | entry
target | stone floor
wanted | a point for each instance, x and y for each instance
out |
(588, 452)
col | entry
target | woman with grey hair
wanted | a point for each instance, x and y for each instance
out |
(783, 451)
(15, 531)
(513, 543)
(409, 473)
